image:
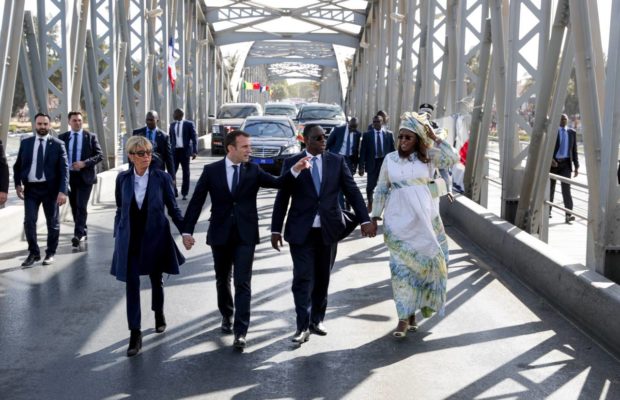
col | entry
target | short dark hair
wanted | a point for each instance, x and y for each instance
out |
(308, 128)
(41, 114)
(231, 138)
(72, 113)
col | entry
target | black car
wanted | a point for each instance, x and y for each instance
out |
(273, 140)
(230, 117)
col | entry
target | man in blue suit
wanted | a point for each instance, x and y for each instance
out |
(84, 153)
(376, 143)
(345, 140)
(162, 153)
(183, 141)
(41, 176)
(233, 183)
(314, 225)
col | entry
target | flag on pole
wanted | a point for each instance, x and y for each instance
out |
(256, 86)
(172, 69)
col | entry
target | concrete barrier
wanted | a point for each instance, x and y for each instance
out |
(587, 297)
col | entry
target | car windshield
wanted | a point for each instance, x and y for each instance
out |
(321, 113)
(269, 129)
(281, 110)
(237, 111)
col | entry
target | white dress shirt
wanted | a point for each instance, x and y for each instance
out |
(139, 186)
(343, 149)
(32, 174)
(178, 127)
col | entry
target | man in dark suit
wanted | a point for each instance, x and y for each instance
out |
(4, 176)
(162, 153)
(564, 157)
(183, 141)
(314, 225)
(84, 153)
(42, 168)
(233, 229)
(376, 143)
(345, 140)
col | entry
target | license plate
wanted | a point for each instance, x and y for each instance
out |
(262, 160)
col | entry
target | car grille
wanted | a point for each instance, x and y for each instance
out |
(265, 152)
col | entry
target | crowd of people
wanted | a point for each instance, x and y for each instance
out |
(317, 196)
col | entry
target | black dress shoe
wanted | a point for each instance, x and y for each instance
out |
(226, 325)
(301, 336)
(48, 260)
(160, 322)
(569, 218)
(239, 342)
(135, 343)
(318, 329)
(75, 241)
(31, 259)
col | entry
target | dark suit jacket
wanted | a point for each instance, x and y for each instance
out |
(55, 164)
(4, 171)
(336, 140)
(306, 203)
(188, 132)
(368, 151)
(158, 249)
(162, 153)
(227, 208)
(91, 154)
(572, 147)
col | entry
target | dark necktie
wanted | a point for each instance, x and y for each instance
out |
(235, 179)
(379, 147)
(348, 152)
(152, 137)
(39, 171)
(316, 178)
(74, 155)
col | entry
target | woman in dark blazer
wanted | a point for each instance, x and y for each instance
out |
(143, 242)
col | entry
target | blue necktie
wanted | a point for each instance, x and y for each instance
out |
(39, 171)
(378, 146)
(74, 156)
(316, 179)
(348, 152)
(233, 185)
(151, 136)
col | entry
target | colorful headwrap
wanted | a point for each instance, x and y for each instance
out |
(418, 124)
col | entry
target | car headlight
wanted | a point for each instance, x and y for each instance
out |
(294, 149)
(216, 129)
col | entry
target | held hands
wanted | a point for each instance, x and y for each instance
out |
(302, 164)
(188, 241)
(369, 230)
(276, 241)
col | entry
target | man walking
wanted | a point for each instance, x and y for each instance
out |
(183, 141)
(233, 234)
(345, 140)
(376, 143)
(4, 176)
(564, 157)
(41, 176)
(162, 153)
(314, 225)
(84, 153)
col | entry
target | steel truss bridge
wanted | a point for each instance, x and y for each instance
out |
(466, 57)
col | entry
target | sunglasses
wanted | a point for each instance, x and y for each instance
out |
(318, 138)
(141, 153)
(405, 137)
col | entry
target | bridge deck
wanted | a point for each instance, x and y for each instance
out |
(63, 332)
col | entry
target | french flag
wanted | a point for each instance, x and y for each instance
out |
(172, 69)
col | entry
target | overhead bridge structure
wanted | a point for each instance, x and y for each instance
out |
(482, 62)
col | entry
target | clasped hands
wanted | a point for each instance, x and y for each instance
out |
(188, 241)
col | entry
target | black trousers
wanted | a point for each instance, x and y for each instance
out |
(312, 264)
(372, 179)
(241, 256)
(134, 315)
(79, 194)
(180, 157)
(36, 194)
(563, 169)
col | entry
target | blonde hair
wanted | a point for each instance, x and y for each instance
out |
(137, 141)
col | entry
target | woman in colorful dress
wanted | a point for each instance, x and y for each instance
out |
(413, 230)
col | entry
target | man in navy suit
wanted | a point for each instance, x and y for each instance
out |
(314, 225)
(345, 140)
(233, 229)
(183, 141)
(564, 157)
(4, 176)
(84, 153)
(162, 153)
(376, 143)
(42, 168)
